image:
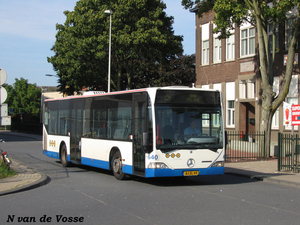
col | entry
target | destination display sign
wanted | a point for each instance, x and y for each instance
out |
(188, 97)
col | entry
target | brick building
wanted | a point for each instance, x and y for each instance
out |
(232, 65)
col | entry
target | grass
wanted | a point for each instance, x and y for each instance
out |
(4, 172)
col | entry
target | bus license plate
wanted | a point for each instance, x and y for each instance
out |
(190, 173)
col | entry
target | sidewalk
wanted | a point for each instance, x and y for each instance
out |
(264, 171)
(260, 170)
(26, 178)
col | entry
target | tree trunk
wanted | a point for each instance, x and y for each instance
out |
(119, 78)
(267, 96)
(129, 81)
(266, 124)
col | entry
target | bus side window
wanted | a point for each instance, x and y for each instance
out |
(46, 120)
(98, 122)
(53, 122)
(101, 133)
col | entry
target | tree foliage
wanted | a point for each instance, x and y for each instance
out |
(260, 13)
(23, 97)
(180, 72)
(142, 39)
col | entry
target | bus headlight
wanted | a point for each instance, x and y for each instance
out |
(218, 164)
(155, 165)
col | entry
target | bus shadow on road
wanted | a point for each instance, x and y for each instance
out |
(226, 179)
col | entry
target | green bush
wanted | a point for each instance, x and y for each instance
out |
(4, 172)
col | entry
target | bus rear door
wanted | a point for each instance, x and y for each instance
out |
(76, 130)
(139, 127)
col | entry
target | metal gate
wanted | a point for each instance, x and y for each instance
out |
(288, 152)
(245, 146)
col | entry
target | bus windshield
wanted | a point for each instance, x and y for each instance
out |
(189, 125)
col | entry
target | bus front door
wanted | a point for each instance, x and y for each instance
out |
(139, 127)
(76, 130)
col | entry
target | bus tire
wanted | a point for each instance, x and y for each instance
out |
(63, 156)
(117, 166)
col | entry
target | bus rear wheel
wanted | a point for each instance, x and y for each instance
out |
(117, 166)
(63, 156)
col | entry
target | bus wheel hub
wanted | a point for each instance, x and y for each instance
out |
(117, 165)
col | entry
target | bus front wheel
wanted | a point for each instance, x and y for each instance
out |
(63, 156)
(117, 166)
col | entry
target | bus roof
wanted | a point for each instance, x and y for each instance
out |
(102, 93)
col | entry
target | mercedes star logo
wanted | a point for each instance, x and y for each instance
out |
(191, 163)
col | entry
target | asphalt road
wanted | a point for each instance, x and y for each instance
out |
(85, 195)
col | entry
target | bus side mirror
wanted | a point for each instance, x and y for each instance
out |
(145, 139)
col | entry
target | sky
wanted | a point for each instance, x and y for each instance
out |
(28, 29)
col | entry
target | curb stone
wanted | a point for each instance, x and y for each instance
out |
(40, 182)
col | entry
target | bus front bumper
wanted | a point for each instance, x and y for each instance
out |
(181, 172)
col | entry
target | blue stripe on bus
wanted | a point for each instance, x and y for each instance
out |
(95, 163)
(179, 172)
(148, 173)
(54, 155)
(127, 169)
(51, 154)
(104, 164)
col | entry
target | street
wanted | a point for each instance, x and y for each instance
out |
(85, 195)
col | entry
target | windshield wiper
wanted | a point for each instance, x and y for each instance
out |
(168, 148)
(214, 149)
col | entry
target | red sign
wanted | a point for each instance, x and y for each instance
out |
(285, 59)
(295, 115)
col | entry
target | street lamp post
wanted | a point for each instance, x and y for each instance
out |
(109, 49)
(50, 75)
(66, 87)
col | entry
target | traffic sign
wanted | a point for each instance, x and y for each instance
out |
(3, 110)
(3, 94)
(295, 115)
(3, 76)
(5, 121)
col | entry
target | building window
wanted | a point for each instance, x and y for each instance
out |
(248, 41)
(251, 88)
(205, 44)
(217, 50)
(205, 52)
(272, 31)
(243, 89)
(275, 120)
(230, 47)
(288, 32)
(247, 89)
(230, 113)
(230, 104)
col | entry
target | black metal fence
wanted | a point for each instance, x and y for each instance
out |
(288, 152)
(27, 128)
(244, 146)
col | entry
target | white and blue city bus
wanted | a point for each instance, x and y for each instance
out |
(139, 132)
